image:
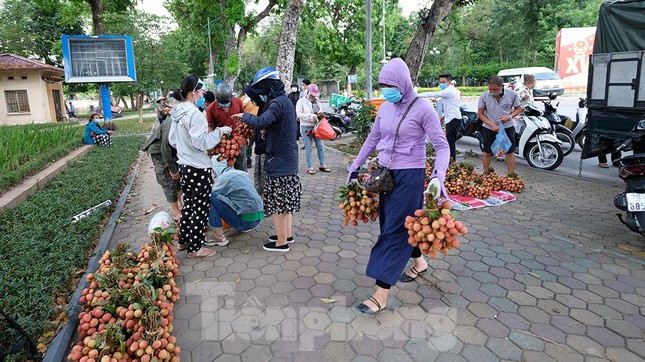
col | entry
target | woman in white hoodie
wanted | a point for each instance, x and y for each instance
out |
(189, 135)
(307, 110)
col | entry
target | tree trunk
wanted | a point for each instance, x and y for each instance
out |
(140, 106)
(132, 101)
(235, 42)
(98, 8)
(287, 48)
(430, 17)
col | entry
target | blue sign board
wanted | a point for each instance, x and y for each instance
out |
(98, 59)
(353, 78)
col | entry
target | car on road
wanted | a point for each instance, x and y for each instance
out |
(546, 80)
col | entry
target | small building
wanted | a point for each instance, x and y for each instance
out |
(30, 91)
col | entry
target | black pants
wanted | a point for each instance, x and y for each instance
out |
(615, 156)
(196, 186)
(451, 135)
(416, 253)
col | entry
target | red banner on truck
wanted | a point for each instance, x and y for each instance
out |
(572, 49)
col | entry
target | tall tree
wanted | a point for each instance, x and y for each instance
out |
(230, 26)
(287, 49)
(430, 17)
(99, 7)
(32, 29)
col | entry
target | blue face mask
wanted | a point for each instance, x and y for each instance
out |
(224, 105)
(443, 85)
(392, 94)
(263, 97)
(200, 102)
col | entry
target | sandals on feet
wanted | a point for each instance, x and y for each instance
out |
(201, 253)
(182, 247)
(363, 308)
(324, 169)
(311, 171)
(603, 165)
(404, 278)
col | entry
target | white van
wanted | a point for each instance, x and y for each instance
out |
(546, 80)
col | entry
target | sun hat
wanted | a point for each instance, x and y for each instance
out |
(313, 90)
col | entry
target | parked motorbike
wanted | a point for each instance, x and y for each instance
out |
(579, 128)
(337, 123)
(347, 113)
(470, 126)
(537, 141)
(116, 112)
(557, 121)
(632, 171)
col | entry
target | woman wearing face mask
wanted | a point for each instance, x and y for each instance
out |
(307, 109)
(413, 120)
(94, 133)
(189, 135)
(282, 188)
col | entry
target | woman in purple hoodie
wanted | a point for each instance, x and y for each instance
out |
(406, 159)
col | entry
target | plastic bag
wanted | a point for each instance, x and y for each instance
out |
(502, 143)
(324, 131)
(162, 220)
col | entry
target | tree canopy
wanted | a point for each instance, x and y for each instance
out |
(475, 40)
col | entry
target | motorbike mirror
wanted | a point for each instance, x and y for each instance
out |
(552, 96)
(641, 125)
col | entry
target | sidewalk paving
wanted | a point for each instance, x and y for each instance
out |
(551, 276)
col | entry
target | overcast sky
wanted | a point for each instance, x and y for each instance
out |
(156, 6)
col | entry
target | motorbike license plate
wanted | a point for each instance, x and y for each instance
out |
(635, 202)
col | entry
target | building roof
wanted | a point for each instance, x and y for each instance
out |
(15, 62)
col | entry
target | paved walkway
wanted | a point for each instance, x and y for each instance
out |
(552, 276)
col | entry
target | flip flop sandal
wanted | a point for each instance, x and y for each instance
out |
(201, 253)
(311, 171)
(324, 169)
(406, 278)
(363, 308)
(603, 165)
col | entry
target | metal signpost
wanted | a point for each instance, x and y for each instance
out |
(99, 59)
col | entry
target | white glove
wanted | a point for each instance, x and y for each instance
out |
(226, 130)
(434, 188)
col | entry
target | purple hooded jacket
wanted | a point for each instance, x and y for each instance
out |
(421, 122)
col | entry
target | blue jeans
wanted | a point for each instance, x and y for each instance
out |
(220, 210)
(319, 146)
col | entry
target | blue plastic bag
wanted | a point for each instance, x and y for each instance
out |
(502, 143)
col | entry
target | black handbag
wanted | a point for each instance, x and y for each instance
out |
(380, 178)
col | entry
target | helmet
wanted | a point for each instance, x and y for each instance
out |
(224, 93)
(265, 73)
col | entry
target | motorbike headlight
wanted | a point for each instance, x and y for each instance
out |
(342, 111)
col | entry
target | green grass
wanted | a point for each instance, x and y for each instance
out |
(132, 126)
(42, 252)
(27, 148)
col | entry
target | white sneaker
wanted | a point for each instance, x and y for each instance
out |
(212, 240)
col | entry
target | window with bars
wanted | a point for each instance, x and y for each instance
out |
(17, 101)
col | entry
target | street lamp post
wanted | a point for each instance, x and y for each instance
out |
(434, 52)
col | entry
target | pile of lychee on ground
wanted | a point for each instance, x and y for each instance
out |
(127, 311)
(434, 228)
